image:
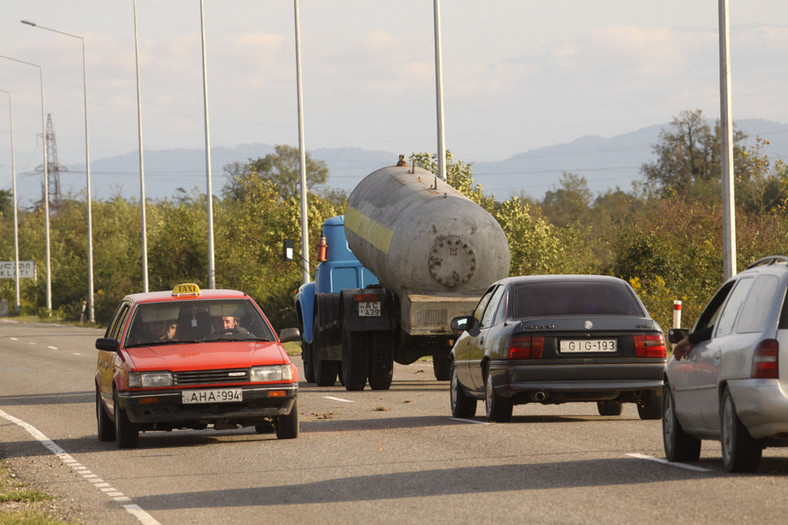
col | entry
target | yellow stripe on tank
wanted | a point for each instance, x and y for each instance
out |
(371, 231)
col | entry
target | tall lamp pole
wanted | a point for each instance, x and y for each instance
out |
(143, 218)
(439, 91)
(13, 187)
(91, 307)
(302, 151)
(211, 269)
(46, 181)
(726, 145)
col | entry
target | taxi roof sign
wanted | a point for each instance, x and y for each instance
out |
(185, 289)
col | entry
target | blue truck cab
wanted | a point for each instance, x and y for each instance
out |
(317, 302)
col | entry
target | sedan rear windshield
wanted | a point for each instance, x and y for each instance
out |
(574, 298)
(197, 321)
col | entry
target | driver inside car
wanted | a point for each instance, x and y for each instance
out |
(231, 324)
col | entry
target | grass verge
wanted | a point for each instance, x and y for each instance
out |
(19, 504)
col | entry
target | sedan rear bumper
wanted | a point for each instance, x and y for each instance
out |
(166, 408)
(762, 406)
(566, 382)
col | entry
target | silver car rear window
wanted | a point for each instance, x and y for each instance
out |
(755, 311)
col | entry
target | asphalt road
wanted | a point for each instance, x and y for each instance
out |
(362, 457)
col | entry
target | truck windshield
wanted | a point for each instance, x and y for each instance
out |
(197, 321)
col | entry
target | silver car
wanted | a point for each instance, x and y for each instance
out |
(733, 385)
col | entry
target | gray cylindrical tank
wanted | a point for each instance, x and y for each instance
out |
(418, 234)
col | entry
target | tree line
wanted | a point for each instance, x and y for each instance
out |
(663, 234)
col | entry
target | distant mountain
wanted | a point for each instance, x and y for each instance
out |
(606, 163)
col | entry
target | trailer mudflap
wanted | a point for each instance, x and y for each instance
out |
(367, 310)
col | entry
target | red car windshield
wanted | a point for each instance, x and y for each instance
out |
(197, 321)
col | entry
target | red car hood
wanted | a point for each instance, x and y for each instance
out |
(206, 356)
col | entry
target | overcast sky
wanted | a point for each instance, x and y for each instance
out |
(518, 75)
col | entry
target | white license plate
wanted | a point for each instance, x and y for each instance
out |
(213, 395)
(369, 309)
(569, 346)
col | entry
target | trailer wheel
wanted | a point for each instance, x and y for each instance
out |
(325, 371)
(354, 359)
(441, 367)
(381, 361)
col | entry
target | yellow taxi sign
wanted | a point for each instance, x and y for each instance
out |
(186, 289)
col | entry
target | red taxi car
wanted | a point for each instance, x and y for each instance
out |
(188, 358)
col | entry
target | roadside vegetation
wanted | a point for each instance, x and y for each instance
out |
(20, 504)
(663, 234)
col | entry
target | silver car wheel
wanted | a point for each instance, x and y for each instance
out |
(727, 430)
(667, 422)
(489, 392)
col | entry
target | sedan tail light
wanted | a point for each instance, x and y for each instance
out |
(650, 345)
(764, 360)
(525, 347)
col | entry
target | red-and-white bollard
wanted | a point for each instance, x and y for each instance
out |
(82, 316)
(677, 314)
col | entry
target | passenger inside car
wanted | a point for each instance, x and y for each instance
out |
(705, 325)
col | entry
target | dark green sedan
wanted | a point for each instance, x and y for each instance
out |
(555, 339)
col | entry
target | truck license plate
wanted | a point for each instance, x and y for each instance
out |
(214, 395)
(369, 309)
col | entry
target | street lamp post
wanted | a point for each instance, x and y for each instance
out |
(211, 269)
(13, 187)
(46, 181)
(726, 146)
(143, 219)
(91, 307)
(302, 152)
(439, 91)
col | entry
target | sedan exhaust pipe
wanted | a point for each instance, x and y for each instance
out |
(539, 396)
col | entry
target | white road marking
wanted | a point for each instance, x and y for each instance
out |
(13, 339)
(338, 399)
(52, 347)
(96, 481)
(670, 463)
(461, 420)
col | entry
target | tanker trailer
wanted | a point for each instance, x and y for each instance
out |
(434, 252)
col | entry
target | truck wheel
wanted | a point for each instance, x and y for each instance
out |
(306, 357)
(441, 366)
(354, 359)
(126, 432)
(740, 452)
(609, 408)
(381, 361)
(324, 371)
(287, 426)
